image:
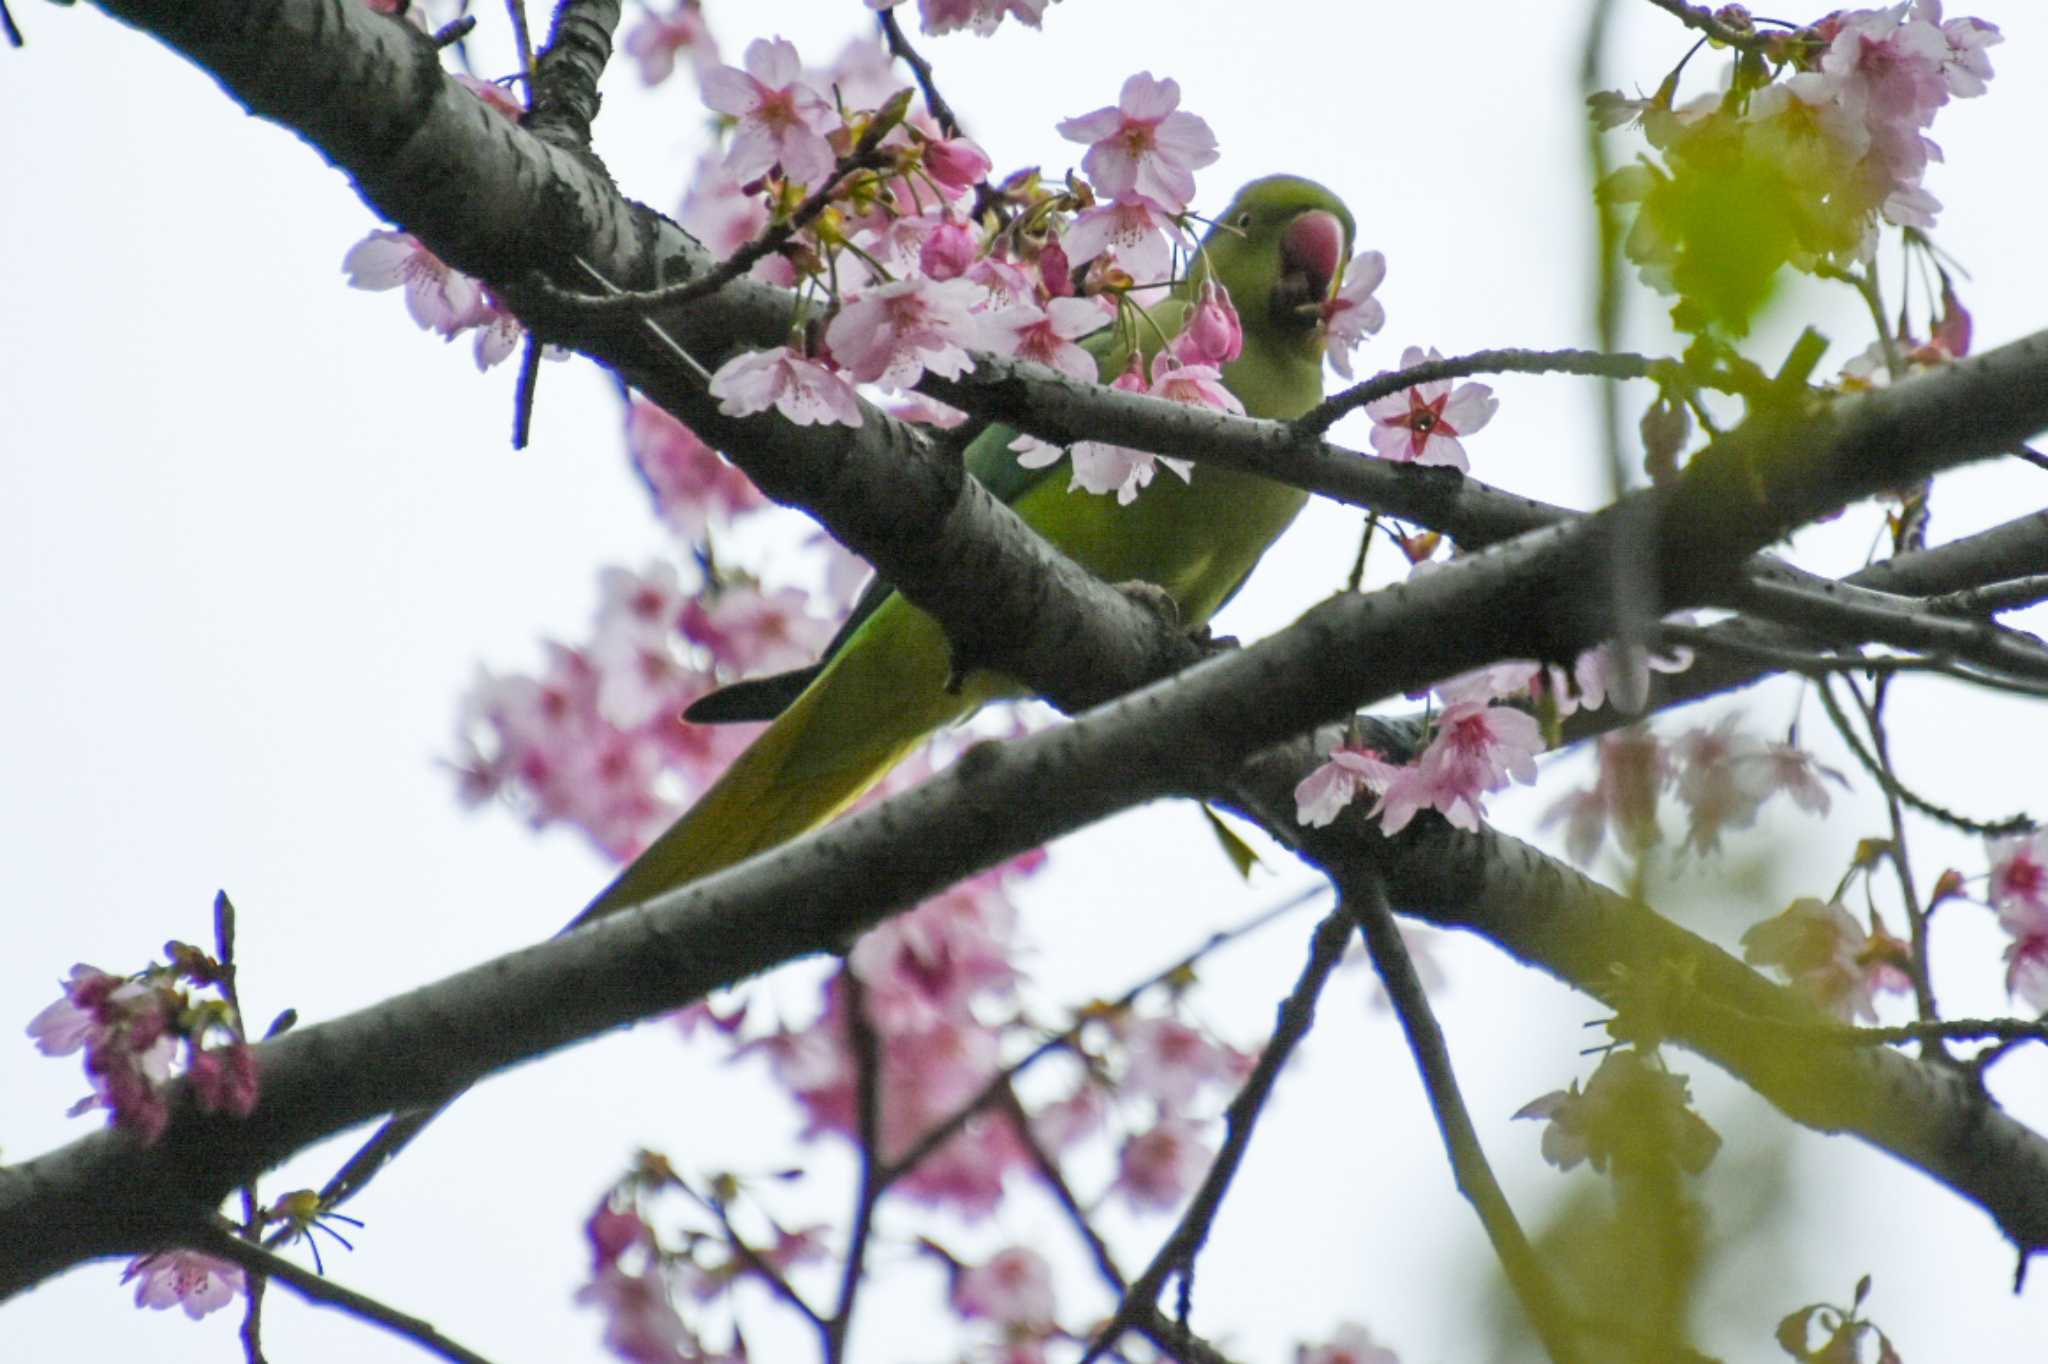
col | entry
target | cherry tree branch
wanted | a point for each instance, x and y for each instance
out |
(1176, 1255)
(1367, 905)
(264, 1266)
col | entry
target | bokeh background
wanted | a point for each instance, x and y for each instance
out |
(257, 532)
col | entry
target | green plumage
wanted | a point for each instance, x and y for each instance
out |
(881, 688)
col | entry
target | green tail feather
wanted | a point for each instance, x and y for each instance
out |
(880, 696)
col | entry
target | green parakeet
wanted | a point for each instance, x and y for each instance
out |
(1279, 249)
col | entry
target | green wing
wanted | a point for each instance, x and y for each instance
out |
(990, 459)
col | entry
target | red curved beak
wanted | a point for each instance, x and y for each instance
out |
(1314, 245)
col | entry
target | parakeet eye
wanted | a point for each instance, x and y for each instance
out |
(1244, 219)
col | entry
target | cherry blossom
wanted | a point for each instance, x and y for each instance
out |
(2019, 892)
(224, 1079)
(782, 120)
(719, 212)
(1170, 1063)
(1829, 958)
(1047, 335)
(1350, 769)
(186, 1279)
(1133, 232)
(1634, 767)
(930, 965)
(801, 389)
(1421, 425)
(940, 17)
(1159, 1167)
(693, 486)
(1013, 1288)
(657, 38)
(1633, 1115)
(439, 298)
(1144, 144)
(641, 1325)
(1476, 749)
(1349, 1344)
(1354, 313)
(892, 334)
(1099, 467)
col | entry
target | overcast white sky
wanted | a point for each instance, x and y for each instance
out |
(256, 533)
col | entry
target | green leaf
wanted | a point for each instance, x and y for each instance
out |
(1235, 848)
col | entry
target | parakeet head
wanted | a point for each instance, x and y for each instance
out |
(1280, 248)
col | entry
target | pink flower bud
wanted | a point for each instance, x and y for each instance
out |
(948, 251)
(956, 163)
(1055, 270)
(1213, 336)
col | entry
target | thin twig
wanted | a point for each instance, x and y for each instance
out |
(867, 1053)
(1063, 1193)
(943, 1131)
(1469, 1167)
(219, 1240)
(1177, 1256)
(7, 26)
(899, 46)
(1701, 18)
(2011, 824)
(864, 156)
(522, 392)
(1922, 971)
(2009, 595)
(1619, 365)
(522, 42)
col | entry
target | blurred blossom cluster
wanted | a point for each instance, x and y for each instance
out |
(1819, 134)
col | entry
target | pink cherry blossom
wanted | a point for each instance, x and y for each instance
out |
(1722, 781)
(1476, 749)
(932, 964)
(801, 389)
(1014, 1288)
(439, 298)
(1047, 334)
(749, 630)
(1354, 313)
(1099, 467)
(1349, 770)
(981, 16)
(1134, 232)
(1196, 385)
(891, 335)
(184, 1278)
(1170, 1063)
(1828, 957)
(1351, 1344)
(73, 1020)
(1144, 144)
(782, 120)
(1633, 768)
(641, 1325)
(692, 484)
(1159, 1167)
(1421, 425)
(657, 38)
(719, 212)
(2019, 878)
(224, 1079)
